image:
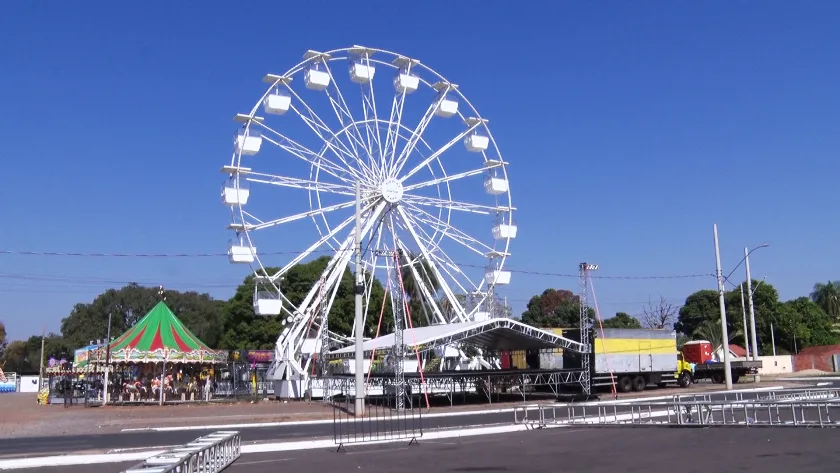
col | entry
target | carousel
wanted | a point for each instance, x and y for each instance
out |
(158, 360)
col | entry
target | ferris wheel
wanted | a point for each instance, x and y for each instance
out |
(432, 185)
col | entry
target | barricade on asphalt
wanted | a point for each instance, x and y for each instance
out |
(790, 408)
(208, 454)
(382, 420)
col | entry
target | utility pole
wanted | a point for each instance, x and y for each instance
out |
(724, 332)
(41, 364)
(752, 309)
(744, 316)
(360, 323)
(107, 360)
(773, 338)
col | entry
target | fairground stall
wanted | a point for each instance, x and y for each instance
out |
(159, 360)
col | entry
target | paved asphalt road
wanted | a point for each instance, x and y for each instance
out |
(29, 446)
(634, 449)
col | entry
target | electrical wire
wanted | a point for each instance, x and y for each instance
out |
(203, 255)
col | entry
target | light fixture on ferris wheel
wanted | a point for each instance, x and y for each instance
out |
(318, 130)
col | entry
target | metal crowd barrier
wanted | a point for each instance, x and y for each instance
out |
(791, 408)
(208, 454)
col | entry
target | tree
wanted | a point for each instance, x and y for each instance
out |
(89, 321)
(622, 320)
(827, 296)
(3, 342)
(24, 356)
(698, 308)
(798, 324)
(710, 331)
(554, 308)
(659, 316)
(703, 306)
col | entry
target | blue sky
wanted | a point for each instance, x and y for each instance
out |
(630, 128)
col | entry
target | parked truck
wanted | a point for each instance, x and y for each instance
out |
(696, 361)
(633, 359)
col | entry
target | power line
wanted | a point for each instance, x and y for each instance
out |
(204, 255)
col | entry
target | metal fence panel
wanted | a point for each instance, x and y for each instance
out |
(381, 421)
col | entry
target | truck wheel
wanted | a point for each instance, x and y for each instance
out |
(684, 380)
(625, 384)
(639, 383)
(735, 378)
(717, 378)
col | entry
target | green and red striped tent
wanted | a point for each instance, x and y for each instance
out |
(160, 336)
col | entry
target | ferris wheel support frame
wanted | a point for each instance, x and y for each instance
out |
(364, 156)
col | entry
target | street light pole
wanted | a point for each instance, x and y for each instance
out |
(360, 323)
(746, 327)
(752, 309)
(727, 365)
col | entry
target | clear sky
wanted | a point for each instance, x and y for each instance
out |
(630, 128)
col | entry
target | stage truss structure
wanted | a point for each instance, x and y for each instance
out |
(434, 187)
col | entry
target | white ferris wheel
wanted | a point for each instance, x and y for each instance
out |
(433, 185)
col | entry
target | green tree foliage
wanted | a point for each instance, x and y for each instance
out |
(89, 321)
(801, 318)
(827, 296)
(554, 308)
(801, 323)
(622, 320)
(24, 356)
(243, 329)
(3, 341)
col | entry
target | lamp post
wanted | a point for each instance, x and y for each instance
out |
(359, 316)
(727, 365)
(752, 307)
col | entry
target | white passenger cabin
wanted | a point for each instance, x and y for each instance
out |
(316, 79)
(267, 303)
(406, 82)
(495, 185)
(234, 193)
(476, 142)
(362, 70)
(503, 231)
(497, 277)
(277, 103)
(240, 253)
(447, 104)
(248, 141)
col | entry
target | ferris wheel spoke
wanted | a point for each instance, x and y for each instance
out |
(334, 271)
(442, 257)
(398, 163)
(426, 254)
(342, 112)
(319, 127)
(425, 285)
(304, 184)
(450, 231)
(314, 159)
(292, 218)
(442, 150)
(369, 105)
(452, 204)
(453, 177)
(334, 143)
(321, 242)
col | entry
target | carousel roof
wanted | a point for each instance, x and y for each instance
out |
(159, 336)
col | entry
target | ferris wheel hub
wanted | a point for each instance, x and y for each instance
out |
(392, 190)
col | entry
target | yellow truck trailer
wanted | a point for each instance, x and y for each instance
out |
(630, 358)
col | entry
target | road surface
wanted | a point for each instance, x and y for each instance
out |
(638, 449)
(32, 446)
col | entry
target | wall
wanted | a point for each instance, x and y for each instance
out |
(819, 358)
(781, 364)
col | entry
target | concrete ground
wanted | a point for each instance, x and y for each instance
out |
(630, 449)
